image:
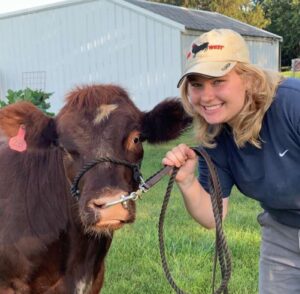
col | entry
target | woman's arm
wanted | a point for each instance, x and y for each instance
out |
(196, 199)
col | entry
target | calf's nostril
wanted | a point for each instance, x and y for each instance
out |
(99, 206)
(109, 202)
(96, 204)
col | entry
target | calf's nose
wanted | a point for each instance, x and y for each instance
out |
(112, 214)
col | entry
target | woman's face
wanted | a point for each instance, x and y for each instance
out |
(217, 100)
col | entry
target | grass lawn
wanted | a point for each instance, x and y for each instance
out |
(133, 264)
(291, 74)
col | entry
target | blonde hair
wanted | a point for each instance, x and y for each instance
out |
(247, 125)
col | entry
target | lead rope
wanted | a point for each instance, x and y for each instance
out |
(222, 251)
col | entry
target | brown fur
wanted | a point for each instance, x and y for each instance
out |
(48, 241)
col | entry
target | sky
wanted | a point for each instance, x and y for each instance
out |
(7, 6)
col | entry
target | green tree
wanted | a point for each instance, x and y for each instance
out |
(37, 97)
(246, 11)
(285, 21)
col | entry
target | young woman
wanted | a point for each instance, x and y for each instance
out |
(248, 120)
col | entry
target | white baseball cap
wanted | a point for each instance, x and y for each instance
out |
(215, 53)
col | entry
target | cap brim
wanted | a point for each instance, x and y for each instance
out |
(211, 69)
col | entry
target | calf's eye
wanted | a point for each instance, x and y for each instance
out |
(133, 141)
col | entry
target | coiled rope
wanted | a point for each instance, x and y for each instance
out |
(222, 252)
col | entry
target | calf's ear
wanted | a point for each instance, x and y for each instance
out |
(23, 122)
(166, 121)
(49, 135)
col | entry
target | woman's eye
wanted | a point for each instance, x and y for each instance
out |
(216, 82)
(196, 85)
(136, 140)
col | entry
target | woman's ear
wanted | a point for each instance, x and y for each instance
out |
(248, 86)
(248, 80)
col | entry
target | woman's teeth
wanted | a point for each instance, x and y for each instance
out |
(212, 107)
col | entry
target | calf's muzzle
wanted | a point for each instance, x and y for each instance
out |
(113, 216)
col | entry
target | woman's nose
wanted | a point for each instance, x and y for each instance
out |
(207, 92)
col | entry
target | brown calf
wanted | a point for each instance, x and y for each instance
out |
(50, 242)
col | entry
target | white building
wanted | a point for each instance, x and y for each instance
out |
(139, 45)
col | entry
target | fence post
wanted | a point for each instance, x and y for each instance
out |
(295, 66)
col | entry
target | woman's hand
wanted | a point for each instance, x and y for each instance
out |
(196, 199)
(184, 158)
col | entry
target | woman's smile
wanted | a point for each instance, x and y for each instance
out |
(210, 108)
(214, 113)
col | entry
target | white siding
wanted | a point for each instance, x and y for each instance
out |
(92, 42)
(263, 52)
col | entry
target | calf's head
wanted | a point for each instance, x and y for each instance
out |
(101, 121)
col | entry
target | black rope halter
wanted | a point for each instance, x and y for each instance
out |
(137, 176)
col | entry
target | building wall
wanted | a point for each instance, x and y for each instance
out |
(263, 51)
(94, 42)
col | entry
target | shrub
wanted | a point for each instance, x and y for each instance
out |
(37, 97)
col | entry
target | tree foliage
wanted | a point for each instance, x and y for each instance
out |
(244, 10)
(37, 97)
(285, 21)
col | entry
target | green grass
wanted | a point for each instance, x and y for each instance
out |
(133, 263)
(291, 74)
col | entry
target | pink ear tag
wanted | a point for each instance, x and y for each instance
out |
(18, 142)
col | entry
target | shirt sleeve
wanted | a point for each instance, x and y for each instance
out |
(219, 159)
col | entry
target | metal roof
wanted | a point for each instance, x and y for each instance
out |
(191, 19)
(202, 20)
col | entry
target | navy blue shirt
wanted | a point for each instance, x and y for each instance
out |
(271, 174)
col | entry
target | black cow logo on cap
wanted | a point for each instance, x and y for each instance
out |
(197, 48)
